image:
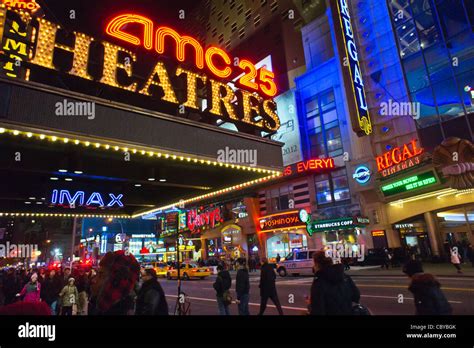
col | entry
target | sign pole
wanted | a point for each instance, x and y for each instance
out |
(73, 241)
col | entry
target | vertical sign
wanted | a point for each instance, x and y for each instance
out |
(354, 84)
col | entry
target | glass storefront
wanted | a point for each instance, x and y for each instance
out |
(456, 227)
(284, 243)
(414, 238)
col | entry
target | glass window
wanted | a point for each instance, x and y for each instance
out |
(452, 17)
(447, 99)
(289, 256)
(302, 255)
(323, 189)
(323, 126)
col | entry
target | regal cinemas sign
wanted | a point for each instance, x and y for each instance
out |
(202, 73)
(399, 158)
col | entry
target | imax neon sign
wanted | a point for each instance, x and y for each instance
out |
(64, 197)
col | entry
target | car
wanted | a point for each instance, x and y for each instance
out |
(189, 270)
(160, 268)
(296, 263)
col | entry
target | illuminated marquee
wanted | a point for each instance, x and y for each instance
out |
(250, 105)
(399, 158)
(312, 165)
(64, 198)
(213, 57)
(210, 217)
(360, 118)
(411, 183)
(287, 220)
(27, 5)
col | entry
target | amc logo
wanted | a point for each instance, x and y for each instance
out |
(27, 5)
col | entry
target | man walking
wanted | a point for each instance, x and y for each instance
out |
(268, 287)
(151, 298)
(242, 287)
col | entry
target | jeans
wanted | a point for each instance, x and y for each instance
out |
(244, 304)
(223, 308)
(54, 307)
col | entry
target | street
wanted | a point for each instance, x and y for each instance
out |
(381, 294)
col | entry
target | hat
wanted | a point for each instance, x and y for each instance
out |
(412, 267)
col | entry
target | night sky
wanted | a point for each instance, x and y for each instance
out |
(92, 15)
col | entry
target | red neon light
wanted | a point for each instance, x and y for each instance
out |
(398, 155)
(249, 76)
(263, 77)
(267, 86)
(216, 51)
(207, 218)
(181, 41)
(310, 165)
(114, 28)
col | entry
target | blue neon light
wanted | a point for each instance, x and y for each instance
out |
(362, 175)
(64, 197)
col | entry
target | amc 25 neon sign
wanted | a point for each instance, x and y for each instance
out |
(65, 198)
(215, 59)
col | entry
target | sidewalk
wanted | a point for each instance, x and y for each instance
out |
(437, 269)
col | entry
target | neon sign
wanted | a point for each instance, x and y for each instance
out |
(64, 198)
(245, 106)
(197, 220)
(287, 220)
(399, 158)
(312, 165)
(216, 60)
(362, 175)
(360, 119)
(336, 224)
(411, 183)
(28, 5)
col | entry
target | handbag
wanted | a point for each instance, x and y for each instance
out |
(358, 309)
(227, 297)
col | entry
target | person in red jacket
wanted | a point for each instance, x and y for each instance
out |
(31, 291)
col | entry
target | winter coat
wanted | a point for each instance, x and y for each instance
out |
(122, 307)
(151, 299)
(333, 292)
(267, 280)
(242, 282)
(223, 283)
(69, 296)
(31, 292)
(429, 299)
(50, 289)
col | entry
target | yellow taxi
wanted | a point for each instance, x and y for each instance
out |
(188, 270)
(160, 268)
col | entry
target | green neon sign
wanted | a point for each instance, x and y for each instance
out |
(409, 184)
(348, 223)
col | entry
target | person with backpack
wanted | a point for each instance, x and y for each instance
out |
(456, 259)
(222, 285)
(242, 287)
(429, 298)
(151, 298)
(332, 292)
(69, 297)
(268, 287)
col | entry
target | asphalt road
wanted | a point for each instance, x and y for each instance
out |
(383, 295)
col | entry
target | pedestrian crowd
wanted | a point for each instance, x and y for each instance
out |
(121, 287)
